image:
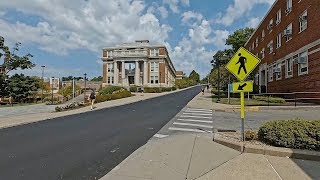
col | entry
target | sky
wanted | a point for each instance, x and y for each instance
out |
(68, 36)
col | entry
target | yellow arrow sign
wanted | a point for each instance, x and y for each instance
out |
(246, 86)
(242, 64)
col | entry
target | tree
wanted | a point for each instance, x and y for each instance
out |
(67, 91)
(99, 78)
(12, 61)
(239, 38)
(21, 86)
(194, 76)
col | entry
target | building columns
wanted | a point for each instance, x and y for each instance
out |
(116, 74)
(123, 73)
(137, 74)
(145, 73)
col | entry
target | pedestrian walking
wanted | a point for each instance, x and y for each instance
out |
(92, 98)
(202, 90)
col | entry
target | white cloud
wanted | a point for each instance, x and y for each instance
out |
(238, 9)
(220, 38)
(253, 22)
(163, 12)
(69, 25)
(174, 4)
(190, 15)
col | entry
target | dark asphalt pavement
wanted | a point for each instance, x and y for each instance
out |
(87, 145)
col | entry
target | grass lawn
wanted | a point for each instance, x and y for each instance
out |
(18, 104)
(247, 102)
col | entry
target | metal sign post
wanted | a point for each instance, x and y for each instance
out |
(241, 65)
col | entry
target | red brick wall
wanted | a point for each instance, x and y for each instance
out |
(104, 70)
(310, 81)
(162, 72)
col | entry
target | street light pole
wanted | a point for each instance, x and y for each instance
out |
(42, 83)
(73, 88)
(85, 84)
(52, 90)
(218, 63)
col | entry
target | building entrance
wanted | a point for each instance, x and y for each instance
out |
(131, 80)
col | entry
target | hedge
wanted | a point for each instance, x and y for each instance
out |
(109, 90)
(133, 89)
(73, 105)
(158, 89)
(117, 95)
(297, 133)
(270, 99)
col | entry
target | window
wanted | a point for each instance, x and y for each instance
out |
(110, 80)
(289, 7)
(154, 79)
(109, 54)
(278, 71)
(252, 45)
(110, 67)
(303, 63)
(270, 73)
(257, 42)
(262, 35)
(270, 46)
(279, 40)
(262, 53)
(303, 22)
(289, 67)
(288, 32)
(154, 52)
(154, 67)
(278, 17)
(270, 25)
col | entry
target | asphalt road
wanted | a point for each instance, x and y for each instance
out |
(87, 145)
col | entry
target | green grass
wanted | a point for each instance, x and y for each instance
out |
(236, 101)
(18, 104)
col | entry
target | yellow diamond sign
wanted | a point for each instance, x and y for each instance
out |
(242, 64)
(246, 86)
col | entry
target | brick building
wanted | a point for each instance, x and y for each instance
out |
(139, 64)
(288, 43)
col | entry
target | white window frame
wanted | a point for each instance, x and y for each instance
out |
(289, 67)
(279, 40)
(303, 25)
(270, 73)
(263, 53)
(110, 54)
(154, 66)
(156, 79)
(110, 80)
(154, 52)
(288, 38)
(289, 6)
(270, 46)
(279, 75)
(278, 17)
(110, 67)
(270, 26)
(263, 34)
(252, 45)
(257, 41)
(301, 66)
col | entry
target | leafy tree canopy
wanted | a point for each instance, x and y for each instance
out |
(239, 38)
(99, 78)
(194, 76)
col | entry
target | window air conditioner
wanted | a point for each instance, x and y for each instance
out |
(278, 21)
(277, 70)
(302, 60)
(287, 32)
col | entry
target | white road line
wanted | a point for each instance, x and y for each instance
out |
(187, 130)
(160, 135)
(189, 124)
(200, 114)
(194, 120)
(209, 112)
(199, 109)
(196, 117)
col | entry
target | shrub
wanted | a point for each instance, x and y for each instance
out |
(270, 99)
(184, 83)
(109, 90)
(298, 133)
(250, 135)
(133, 89)
(117, 95)
(152, 90)
(73, 105)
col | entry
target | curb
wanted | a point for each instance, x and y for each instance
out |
(271, 151)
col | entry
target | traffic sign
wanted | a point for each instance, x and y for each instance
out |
(246, 86)
(242, 64)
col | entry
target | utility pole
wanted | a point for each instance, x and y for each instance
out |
(85, 87)
(42, 83)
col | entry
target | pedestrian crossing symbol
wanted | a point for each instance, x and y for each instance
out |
(242, 64)
(246, 86)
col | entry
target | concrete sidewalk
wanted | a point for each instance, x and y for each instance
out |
(196, 156)
(13, 116)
